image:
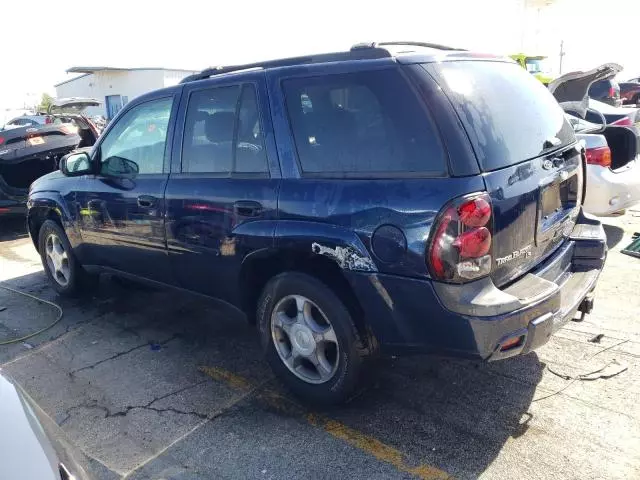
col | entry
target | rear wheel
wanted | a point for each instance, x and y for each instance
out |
(636, 100)
(309, 338)
(65, 274)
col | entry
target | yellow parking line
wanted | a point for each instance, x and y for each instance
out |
(225, 376)
(376, 448)
(361, 441)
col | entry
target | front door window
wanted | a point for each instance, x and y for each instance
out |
(139, 138)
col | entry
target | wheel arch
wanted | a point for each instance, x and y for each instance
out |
(261, 266)
(40, 209)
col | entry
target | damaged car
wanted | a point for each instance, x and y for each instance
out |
(612, 146)
(384, 199)
(32, 150)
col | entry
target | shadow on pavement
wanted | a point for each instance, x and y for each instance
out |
(614, 235)
(135, 345)
(12, 228)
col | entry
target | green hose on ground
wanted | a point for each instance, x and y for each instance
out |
(26, 337)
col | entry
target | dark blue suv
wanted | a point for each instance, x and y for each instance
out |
(398, 197)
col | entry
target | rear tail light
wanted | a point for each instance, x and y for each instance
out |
(599, 156)
(69, 129)
(623, 122)
(1, 140)
(612, 92)
(48, 120)
(461, 245)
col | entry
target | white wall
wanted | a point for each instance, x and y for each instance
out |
(131, 83)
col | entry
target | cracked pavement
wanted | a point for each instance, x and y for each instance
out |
(152, 384)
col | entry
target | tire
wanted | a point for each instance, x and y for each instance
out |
(340, 355)
(63, 270)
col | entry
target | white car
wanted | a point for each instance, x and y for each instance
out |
(609, 190)
(612, 151)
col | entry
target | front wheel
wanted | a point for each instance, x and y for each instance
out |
(64, 272)
(309, 338)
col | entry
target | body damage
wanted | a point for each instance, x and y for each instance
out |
(347, 258)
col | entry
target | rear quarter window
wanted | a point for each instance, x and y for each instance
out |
(508, 114)
(362, 124)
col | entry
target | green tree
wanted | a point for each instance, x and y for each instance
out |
(45, 102)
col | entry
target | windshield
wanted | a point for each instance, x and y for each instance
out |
(537, 65)
(509, 115)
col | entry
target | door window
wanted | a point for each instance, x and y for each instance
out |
(361, 124)
(222, 132)
(140, 136)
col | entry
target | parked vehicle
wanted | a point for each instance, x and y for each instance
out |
(630, 93)
(27, 121)
(569, 90)
(538, 66)
(620, 116)
(31, 444)
(606, 91)
(613, 172)
(30, 150)
(380, 199)
(613, 165)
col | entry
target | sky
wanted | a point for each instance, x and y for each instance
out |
(46, 37)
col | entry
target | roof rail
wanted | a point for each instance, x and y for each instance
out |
(362, 46)
(358, 54)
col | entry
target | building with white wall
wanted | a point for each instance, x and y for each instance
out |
(114, 87)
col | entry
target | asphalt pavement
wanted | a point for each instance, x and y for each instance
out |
(153, 384)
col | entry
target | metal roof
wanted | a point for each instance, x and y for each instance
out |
(121, 69)
(360, 51)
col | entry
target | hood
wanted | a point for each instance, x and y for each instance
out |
(44, 182)
(72, 105)
(572, 89)
(25, 451)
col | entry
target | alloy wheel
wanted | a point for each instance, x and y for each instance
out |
(57, 260)
(305, 339)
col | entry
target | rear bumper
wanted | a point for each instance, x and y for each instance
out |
(478, 319)
(609, 192)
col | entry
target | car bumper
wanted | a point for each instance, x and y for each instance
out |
(609, 192)
(478, 319)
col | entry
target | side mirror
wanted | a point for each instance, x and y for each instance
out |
(76, 164)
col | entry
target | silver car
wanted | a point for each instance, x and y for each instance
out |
(32, 446)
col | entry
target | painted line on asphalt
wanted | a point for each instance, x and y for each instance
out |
(231, 379)
(353, 437)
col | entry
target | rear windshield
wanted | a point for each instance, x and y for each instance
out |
(508, 114)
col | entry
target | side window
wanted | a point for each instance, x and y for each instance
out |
(222, 132)
(362, 123)
(140, 136)
(207, 146)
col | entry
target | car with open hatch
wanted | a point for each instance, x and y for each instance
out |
(384, 199)
(611, 144)
(32, 146)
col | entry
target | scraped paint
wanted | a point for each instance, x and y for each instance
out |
(347, 258)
